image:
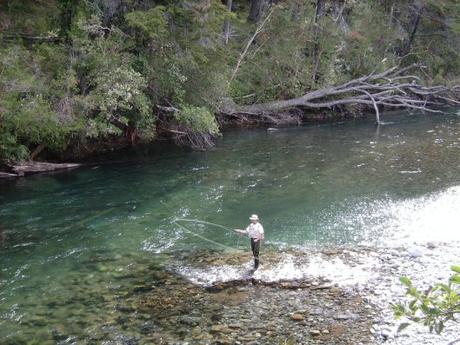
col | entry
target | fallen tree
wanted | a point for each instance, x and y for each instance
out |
(395, 87)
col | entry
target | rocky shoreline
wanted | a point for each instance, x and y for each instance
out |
(324, 296)
(349, 288)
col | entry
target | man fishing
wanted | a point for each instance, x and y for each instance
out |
(255, 231)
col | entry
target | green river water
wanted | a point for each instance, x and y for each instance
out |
(322, 185)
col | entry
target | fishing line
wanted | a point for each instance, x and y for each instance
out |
(205, 238)
(213, 224)
(202, 222)
(85, 220)
(202, 237)
(210, 223)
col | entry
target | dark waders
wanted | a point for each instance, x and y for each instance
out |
(255, 246)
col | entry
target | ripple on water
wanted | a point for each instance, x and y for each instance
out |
(351, 270)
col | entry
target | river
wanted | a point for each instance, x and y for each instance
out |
(314, 187)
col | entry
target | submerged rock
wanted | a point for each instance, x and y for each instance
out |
(189, 320)
(196, 331)
(415, 252)
(297, 317)
(220, 329)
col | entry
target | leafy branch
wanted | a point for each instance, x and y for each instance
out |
(433, 307)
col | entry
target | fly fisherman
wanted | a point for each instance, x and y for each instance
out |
(255, 231)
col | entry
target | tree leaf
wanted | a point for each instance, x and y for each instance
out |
(455, 269)
(403, 326)
(399, 310)
(412, 305)
(406, 281)
(455, 279)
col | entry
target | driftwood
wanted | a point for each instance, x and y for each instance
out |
(393, 88)
(6, 175)
(31, 167)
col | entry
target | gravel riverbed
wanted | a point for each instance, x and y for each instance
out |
(335, 295)
(320, 296)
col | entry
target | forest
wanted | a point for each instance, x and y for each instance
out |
(79, 77)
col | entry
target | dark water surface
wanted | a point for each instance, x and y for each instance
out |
(312, 186)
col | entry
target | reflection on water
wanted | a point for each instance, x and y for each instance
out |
(312, 186)
(389, 222)
(429, 218)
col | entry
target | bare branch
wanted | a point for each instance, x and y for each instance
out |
(374, 103)
(248, 45)
(390, 88)
(170, 109)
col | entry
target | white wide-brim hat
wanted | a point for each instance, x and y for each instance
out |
(254, 217)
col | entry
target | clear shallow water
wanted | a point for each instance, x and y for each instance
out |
(312, 186)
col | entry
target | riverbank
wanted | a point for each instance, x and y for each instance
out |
(93, 153)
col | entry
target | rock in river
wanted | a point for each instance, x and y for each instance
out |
(297, 317)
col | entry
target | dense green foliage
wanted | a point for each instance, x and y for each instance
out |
(77, 72)
(432, 307)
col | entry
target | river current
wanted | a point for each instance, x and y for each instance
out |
(313, 186)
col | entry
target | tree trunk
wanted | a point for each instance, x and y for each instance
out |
(37, 151)
(392, 11)
(339, 16)
(316, 46)
(255, 11)
(227, 23)
(418, 5)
